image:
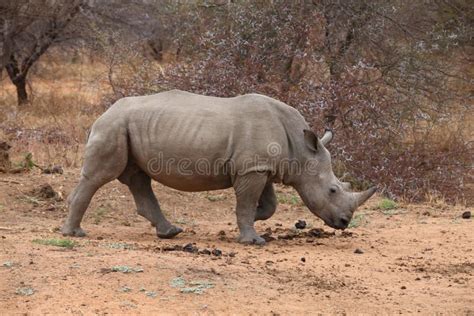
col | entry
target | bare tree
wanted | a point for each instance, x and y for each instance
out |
(29, 28)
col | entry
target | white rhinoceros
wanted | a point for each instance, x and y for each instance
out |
(192, 142)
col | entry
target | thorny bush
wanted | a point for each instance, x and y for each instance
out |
(376, 73)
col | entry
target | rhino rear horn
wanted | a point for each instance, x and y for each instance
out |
(327, 137)
(346, 185)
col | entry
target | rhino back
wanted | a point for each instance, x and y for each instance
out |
(181, 127)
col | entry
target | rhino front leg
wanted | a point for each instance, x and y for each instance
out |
(139, 184)
(267, 203)
(248, 189)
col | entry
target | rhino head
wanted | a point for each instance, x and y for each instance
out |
(323, 193)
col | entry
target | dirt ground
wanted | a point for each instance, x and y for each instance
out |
(412, 259)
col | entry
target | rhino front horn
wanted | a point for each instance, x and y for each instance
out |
(361, 197)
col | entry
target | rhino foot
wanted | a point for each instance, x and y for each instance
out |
(170, 232)
(251, 240)
(75, 232)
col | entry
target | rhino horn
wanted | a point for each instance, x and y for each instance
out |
(327, 137)
(361, 197)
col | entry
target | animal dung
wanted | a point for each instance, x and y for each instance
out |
(204, 252)
(216, 252)
(190, 248)
(300, 224)
(53, 170)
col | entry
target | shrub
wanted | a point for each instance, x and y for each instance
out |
(387, 204)
(398, 102)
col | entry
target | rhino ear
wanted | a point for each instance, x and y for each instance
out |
(311, 140)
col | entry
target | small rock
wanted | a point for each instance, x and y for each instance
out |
(303, 259)
(151, 294)
(466, 215)
(126, 269)
(300, 224)
(359, 251)
(216, 252)
(403, 287)
(25, 291)
(7, 264)
(125, 289)
(232, 254)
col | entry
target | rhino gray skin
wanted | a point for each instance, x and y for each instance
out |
(194, 143)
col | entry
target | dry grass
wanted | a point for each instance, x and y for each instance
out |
(64, 102)
(67, 97)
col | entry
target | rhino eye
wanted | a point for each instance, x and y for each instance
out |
(332, 190)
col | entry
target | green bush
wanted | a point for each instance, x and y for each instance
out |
(387, 204)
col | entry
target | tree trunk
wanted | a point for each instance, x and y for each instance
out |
(18, 78)
(22, 95)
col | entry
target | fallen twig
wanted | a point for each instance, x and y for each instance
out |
(10, 181)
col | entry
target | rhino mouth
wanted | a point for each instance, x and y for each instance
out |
(339, 223)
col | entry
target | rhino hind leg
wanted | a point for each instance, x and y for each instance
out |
(248, 189)
(105, 159)
(139, 184)
(267, 203)
(78, 202)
